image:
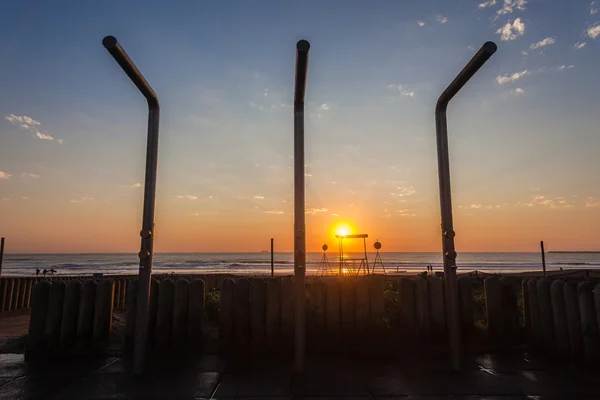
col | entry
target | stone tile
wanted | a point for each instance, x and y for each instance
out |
(392, 381)
(31, 387)
(12, 365)
(565, 383)
(329, 382)
(253, 384)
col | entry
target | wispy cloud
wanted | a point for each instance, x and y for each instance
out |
(441, 19)
(487, 3)
(519, 91)
(593, 7)
(29, 124)
(30, 175)
(274, 212)
(512, 5)
(592, 202)
(335, 215)
(593, 31)
(543, 43)
(563, 67)
(579, 45)
(314, 211)
(402, 90)
(4, 175)
(512, 31)
(259, 197)
(324, 107)
(82, 199)
(136, 185)
(421, 23)
(188, 197)
(404, 191)
(502, 79)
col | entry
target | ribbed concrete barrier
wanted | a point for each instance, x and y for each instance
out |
(164, 312)
(510, 308)
(573, 320)
(131, 314)
(361, 307)
(241, 304)
(37, 319)
(332, 310)
(589, 326)
(180, 312)
(437, 309)
(273, 311)
(466, 305)
(196, 312)
(70, 313)
(258, 304)
(545, 304)
(493, 307)
(87, 306)
(287, 310)
(103, 312)
(54, 315)
(347, 308)
(559, 316)
(422, 306)
(226, 314)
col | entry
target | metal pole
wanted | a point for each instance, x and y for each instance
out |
(302, 48)
(272, 266)
(1, 254)
(449, 252)
(543, 257)
(147, 232)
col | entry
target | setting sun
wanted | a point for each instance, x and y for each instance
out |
(342, 230)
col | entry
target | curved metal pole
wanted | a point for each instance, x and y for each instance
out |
(147, 232)
(449, 252)
(302, 48)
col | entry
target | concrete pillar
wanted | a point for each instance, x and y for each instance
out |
(181, 311)
(589, 326)
(22, 293)
(573, 319)
(332, 310)
(376, 298)
(536, 317)
(493, 307)
(70, 312)
(226, 316)
(258, 306)
(273, 310)
(56, 297)
(123, 297)
(437, 311)
(3, 285)
(196, 313)
(15, 294)
(422, 306)
(510, 309)
(117, 297)
(545, 304)
(466, 305)
(164, 312)
(526, 310)
(30, 285)
(559, 315)
(131, 313)
(37, 319)
(152, 308)
(597, 304)
(85, 318)
(406, 296)
(347, 309)
(287, 309)
(241, 306)
(103, 312)
(10, 287)
(361, 302)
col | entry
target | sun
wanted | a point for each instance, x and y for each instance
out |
(342, 230)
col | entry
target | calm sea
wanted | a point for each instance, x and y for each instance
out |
(259, 263)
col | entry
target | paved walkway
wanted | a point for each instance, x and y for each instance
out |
(206, 377)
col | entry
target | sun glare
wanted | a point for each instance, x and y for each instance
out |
(342, 230)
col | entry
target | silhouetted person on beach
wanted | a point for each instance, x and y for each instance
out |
(52, 271)
(44, 272)
(37, 272)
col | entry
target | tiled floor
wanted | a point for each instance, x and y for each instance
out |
(484, 377)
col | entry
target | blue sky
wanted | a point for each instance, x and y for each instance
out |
(523, 132)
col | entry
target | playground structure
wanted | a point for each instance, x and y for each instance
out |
(448, 234)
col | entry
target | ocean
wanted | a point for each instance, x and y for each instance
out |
(259, 263)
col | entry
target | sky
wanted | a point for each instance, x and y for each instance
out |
(523, 133)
